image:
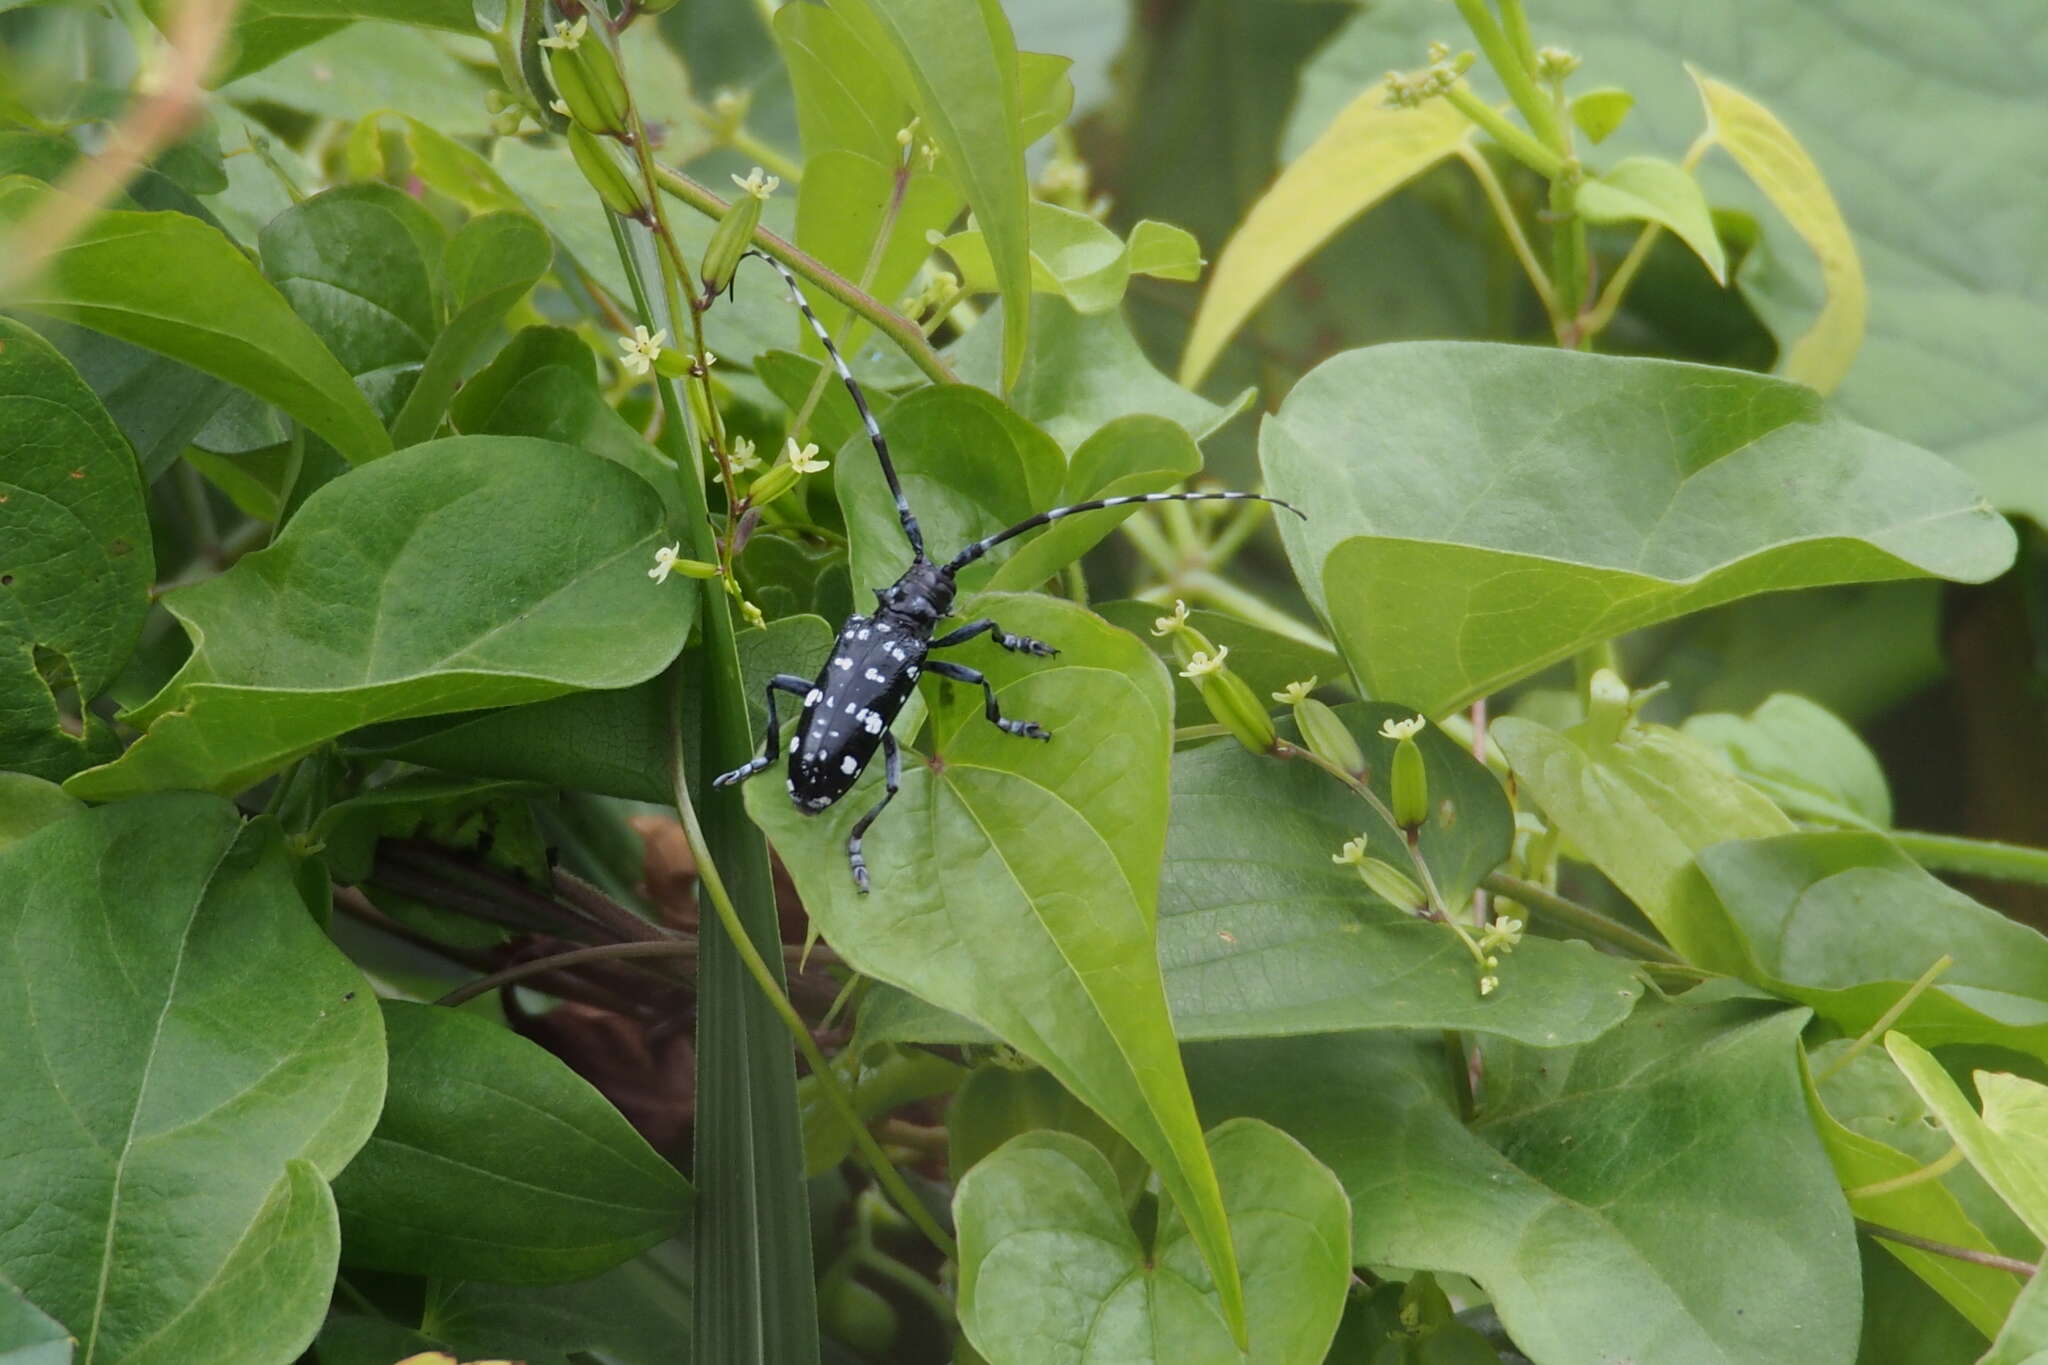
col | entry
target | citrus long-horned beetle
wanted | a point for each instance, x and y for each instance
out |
(877, 659)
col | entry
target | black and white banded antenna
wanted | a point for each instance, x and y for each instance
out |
(1032, 523)
(860, 401)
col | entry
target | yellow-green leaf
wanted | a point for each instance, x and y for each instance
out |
(1773, 158)
(1599, 112)
(1650, 189)
(2007, 1143)
(1367, 152)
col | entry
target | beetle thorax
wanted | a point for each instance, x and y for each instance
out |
(922, 596)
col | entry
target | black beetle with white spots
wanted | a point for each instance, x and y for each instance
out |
(877, 660)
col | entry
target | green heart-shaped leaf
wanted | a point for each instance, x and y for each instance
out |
(1051, 1270)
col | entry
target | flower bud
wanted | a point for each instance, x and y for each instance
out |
(1609, 706)
(729, 242)
(1410, 780)
(1328, 737)
(1392, 885)
(601, 167)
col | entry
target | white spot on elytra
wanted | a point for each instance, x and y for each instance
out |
(842, 662)
(873, 722)
(882, 626)
(811, 697)
(849, 765)
(874, 676)
(796, 742)
(911, 671)
(861, 636)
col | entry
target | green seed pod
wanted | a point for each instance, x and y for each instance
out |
(574, 91)
(1411, 785)
(729, 241)
(1327, 737)
(1236, 707)
(773, 484)
(607, 88)
(601, 167)
(1392, 885)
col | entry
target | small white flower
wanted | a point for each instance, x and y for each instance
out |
(1398, 730)
(758, 183)
(741, 457)
(1487, 984)
(804, 461)
(560, 106)
(1201, 665)
(641, 350)
(567, 35)
(1504, 932)
(665, 557)
(1167, 625)
(703, 362)
(1295, 693)
(1354, 852)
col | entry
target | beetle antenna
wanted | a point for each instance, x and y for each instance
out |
(1032, 523)
(881, 444)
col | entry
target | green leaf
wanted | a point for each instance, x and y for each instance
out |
(1771, 156)
(885, 1079)
(845, 97)
(361, 263)
(1261, 934)
(28, 803)
(1480, 511)
(1927, 1208)
(1599, 112)
(28, 1336)
(191, 1059)
(959, 68)
(1367, 153)
(2023, 1339)
(1639, 808)
(158, 404)
(1656, 1195)
(438, 160)
(1905, 1322)
(846, 199)
(1845, 922)
(444, 578)
(1051, 1270)
(1082, 371)
(636, 1314)
(490, 265)
(170, 283)
(266, 30)
(75, 560)
(999, 1102)
(319, 64)
(2007, 1143)
(1649, 189)
(1077, 258)
(1042, 860)
(1803, 757)
(493, 1160)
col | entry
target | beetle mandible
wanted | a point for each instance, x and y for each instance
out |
(876, 661)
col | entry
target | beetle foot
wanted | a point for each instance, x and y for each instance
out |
(1028, 729)
(1024, 644)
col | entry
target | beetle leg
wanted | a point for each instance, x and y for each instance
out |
(892, 770)
(1021, 644)
(781, 682)
(1029, 729)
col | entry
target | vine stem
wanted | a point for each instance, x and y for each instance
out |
(2024, 1269)
(1585, 919)
(1975, 857)
(602, 952)
(1933, 1170)
(1497, 198)
(885, 1171)
(1889, 1017)
(906, 334)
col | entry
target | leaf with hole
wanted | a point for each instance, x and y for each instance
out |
(1051, 1270)
(1481, 511)
(443, 578)
(192, 1061)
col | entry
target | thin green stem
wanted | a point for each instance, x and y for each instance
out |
(1516, 143)
(1519, 80)
(1888, 1018)
(2024, 1269)
(1585, 919)
(1933, 1170)
(708, 877)
(1511, 224)
(1246, 519)
(1515, 19)
(1570, 263)
(1616, 289)
(1975, 857)
(1145, 536)
(540, 966)
(901, 1275)
(907, 335)
(1251, 607)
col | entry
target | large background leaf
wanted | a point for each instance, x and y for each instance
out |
(493, 1160)
(1262, 934)
(1481, 511)
(75, 561)
(173, 284)
(190, 1059)
(1724, 1240)
(1957, 300)
(472, 572)
(1015, 882)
